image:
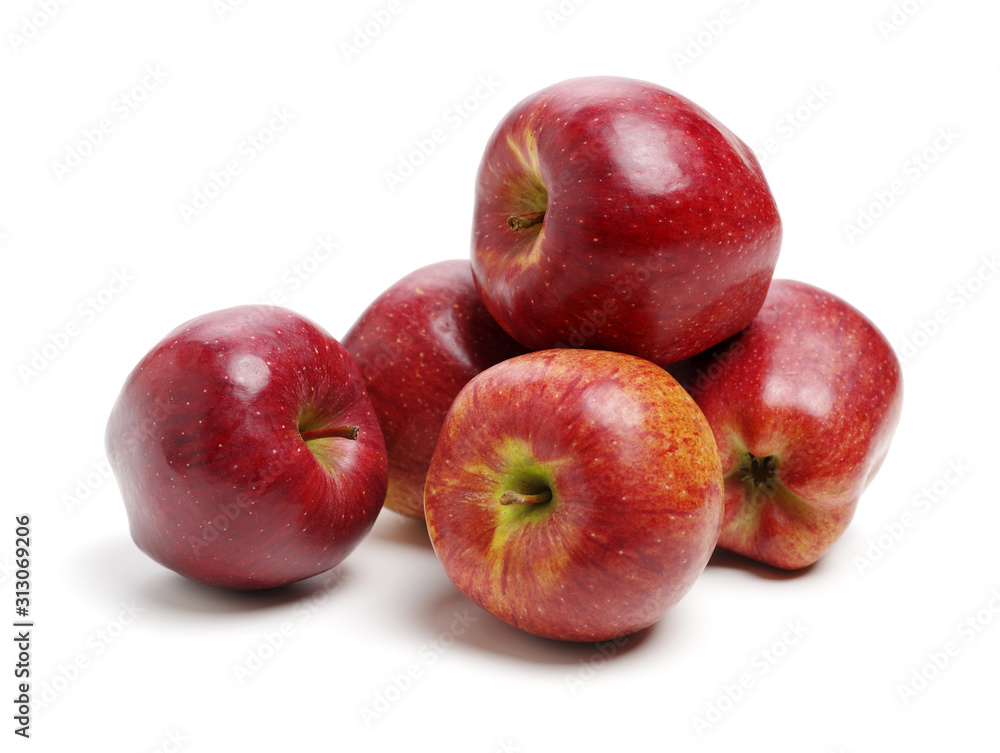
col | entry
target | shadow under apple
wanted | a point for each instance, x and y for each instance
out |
(452, 619)
(723, 558)
(396, 529)
(177, 593)
(134, 576)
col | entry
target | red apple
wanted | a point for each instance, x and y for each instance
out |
(247, 451)
(803, 404)
(574, 494)
(614, 214)
(417, 345)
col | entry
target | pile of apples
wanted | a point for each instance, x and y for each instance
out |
(609, 388)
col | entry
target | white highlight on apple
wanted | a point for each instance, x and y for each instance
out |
(248, 150)
(761, 664)
(712, 28)
(899, 16)
(913, 169)
(96, 643)
(956, 299)
(249, 374)
(922, 503)
(453, 118)
(428, 654)
(121, 107)
(32, 25)
(938, 659)
(86, 485)
(85, 313)
(792, 121)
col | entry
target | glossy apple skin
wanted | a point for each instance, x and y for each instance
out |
(417, 345)
(636, 493)
(204, 440)
(814, 385)
(660, 233)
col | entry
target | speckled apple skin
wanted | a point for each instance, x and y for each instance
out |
(217, 481)
(636, 484)
(417, 345)
(813, 383)
(660, 232)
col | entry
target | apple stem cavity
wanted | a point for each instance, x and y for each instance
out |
(518, 222)
(511, 497)
(344, 432)
(760, 472)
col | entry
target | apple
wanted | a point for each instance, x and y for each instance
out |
(247, 451)
(803, 404)
(574, 494)
(614, 214)
(418, 344)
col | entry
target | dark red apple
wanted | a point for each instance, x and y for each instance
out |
(247, 451)
(615, 214)
(574, 494)
(803, 404)
(417, 345)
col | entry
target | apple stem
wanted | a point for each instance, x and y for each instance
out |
(518, 222)
(345, 432)
(511, 497)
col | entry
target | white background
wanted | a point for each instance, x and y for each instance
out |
(858, 98)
